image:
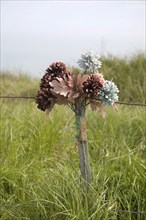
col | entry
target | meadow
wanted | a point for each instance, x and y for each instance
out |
(40, 175)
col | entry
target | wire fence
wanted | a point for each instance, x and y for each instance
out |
(33, 97)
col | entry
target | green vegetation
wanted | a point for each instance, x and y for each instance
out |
(39, 158)
(17, 84)
(130, 76)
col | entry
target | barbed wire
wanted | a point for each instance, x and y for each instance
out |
(17, 97)
(33, 97)
(46, 206)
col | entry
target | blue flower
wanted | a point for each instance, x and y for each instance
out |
(89, 62)
(108, 95)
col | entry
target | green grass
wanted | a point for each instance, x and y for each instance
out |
(17, 84)
(129, 74)
(40, 165)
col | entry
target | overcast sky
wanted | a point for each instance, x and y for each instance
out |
(36, 33)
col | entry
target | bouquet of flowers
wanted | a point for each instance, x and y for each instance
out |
(63, 87)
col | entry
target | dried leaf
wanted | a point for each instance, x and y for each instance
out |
(61, 100)
(94, 105)
(76, 95)
(72, 95)
(68, 80)
(59, 87)
(84, 78)
(115, 106)
(48, 110)
(101, 110)
(80, 80)
(47, 113)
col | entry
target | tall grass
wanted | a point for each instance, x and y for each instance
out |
(18, 84)
(129, 74)
(40, 176)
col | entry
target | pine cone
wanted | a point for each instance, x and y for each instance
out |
(45, 99)
(93, 85)
(57, 69)
(45, 82)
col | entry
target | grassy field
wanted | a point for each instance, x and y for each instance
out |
(40, 175)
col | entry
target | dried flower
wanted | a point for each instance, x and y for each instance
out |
(45, 82)
(93, 85)
(57, 69)
(108, 95)
(63, 86)
(60, 86)
(89, 62)
(45, 99)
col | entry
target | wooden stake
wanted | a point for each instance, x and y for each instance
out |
(83, 147)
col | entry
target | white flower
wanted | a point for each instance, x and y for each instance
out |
(89, 62)
(109, 93)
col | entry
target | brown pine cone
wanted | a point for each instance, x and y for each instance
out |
(45, 99)
(57, 69)
(92, 85)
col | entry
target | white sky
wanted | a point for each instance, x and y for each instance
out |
(36, 33)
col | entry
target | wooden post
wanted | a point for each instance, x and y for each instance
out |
(82, 146)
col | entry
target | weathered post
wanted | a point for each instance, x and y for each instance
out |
(81, 137)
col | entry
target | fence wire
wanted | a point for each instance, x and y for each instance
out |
(32, 97)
